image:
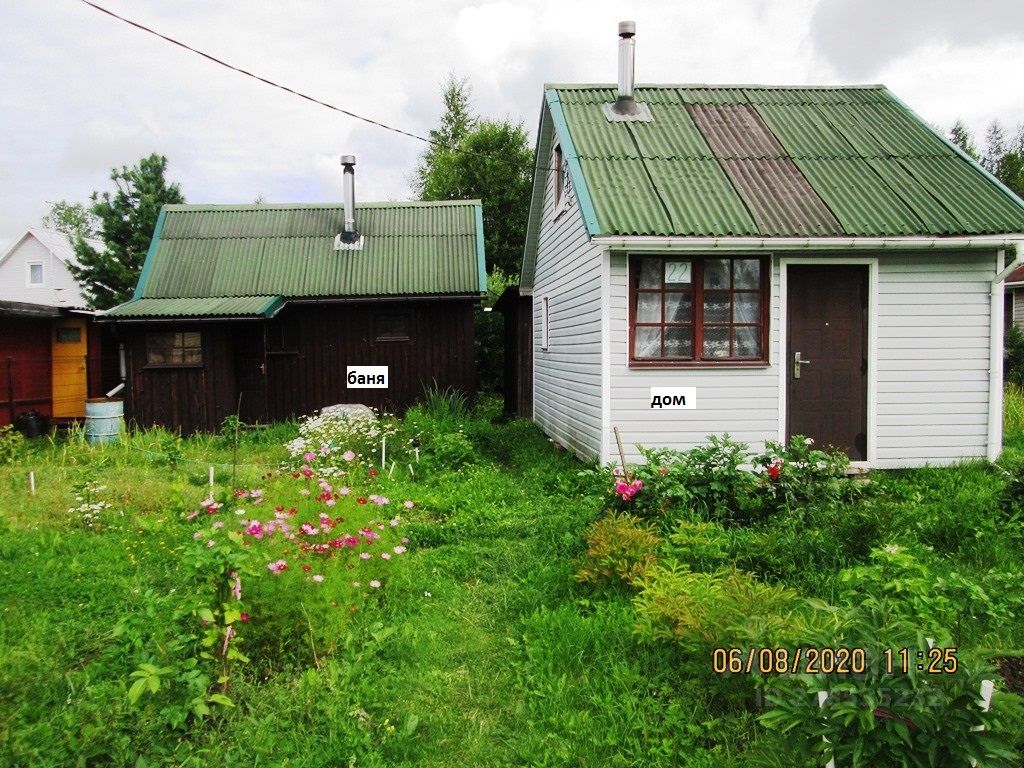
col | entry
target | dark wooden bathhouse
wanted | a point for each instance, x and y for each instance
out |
(267, 310)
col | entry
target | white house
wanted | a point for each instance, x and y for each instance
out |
(791, 260)
(34, 270)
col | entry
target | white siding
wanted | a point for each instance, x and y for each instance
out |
(743, 402)
(567, 376)
(59, 288)
(933, 357)
(1018, 307)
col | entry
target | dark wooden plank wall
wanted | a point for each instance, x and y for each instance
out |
(524, 357)
(25, 367)
(189, 399)
(329, 338)
(308, 349)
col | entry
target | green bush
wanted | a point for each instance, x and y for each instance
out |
(700, 546)
(797, 474)
(1013, 356)
(12, 444)
(620, 550)
(450, 451)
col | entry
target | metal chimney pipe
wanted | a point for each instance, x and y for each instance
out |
(625, 104)
(349, 234)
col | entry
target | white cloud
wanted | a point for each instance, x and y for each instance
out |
(81, 93)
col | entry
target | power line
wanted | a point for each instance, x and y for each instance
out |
(285, 88)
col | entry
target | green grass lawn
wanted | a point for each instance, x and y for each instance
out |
(479, 648)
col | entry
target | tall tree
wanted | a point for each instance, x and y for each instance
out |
(961, 135)
(456, 122)
(72, 219)
(995, 148)
(127, 219)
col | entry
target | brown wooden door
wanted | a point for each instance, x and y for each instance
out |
(827, 326)
(250, 373)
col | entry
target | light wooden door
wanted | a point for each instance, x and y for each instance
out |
(69, 348)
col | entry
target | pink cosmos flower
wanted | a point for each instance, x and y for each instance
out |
(304, 491)
(330, 502)
(621, 487)
(306, 471)
(228, 634)
(309, 457)
(210, 544)
(256, 495)
(365, 555)
(192, 516)
(277, 567)
(197, 535)
(309, 530)
(405, 539)
(218, 524)
(241, 493)
(344, 491)
(236, 586)
(394, 522)
(375, 584)
(408, 504)
(399, 550)
(348, 456)
(255, 529)
(317, 578)
(385, 555)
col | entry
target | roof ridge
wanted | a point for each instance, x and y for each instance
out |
(722, 86)
(301, 206)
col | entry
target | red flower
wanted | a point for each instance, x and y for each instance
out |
(361, 500)
(307, 568)
(663, 471)
(295, 474)
(775, 469)
(244, 617)
(373, 472)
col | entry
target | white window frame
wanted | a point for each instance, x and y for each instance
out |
(28, 274)
(544, 324)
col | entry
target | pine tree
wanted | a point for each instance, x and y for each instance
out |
(456, 123)
(71, 219)
(127, 219)
(995, 148)
(960, 135)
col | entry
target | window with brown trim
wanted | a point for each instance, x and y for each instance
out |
(698, 311)
(391, 326)
(174, 348)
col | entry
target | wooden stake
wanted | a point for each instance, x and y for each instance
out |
(211, 476)
(32, 482)
(383, 451)
(622, 453)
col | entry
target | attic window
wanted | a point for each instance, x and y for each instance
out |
(35, 273)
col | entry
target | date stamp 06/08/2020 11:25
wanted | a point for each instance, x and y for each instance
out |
(838, 660)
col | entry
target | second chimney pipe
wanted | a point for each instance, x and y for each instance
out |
(349, 234)
(625, 104)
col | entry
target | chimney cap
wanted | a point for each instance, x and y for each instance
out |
(348, 159)
(627, 28)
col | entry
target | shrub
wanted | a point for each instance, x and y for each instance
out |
(620, 550)
(1013, 356)
(886, 715)
(12, 444)
(700, 546)
(700, 611)
(797, 474)
(450, 451)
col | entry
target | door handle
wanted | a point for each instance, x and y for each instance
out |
(797, 362)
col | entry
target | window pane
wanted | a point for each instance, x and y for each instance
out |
(716, 342)
(191, 340)
(35, 272)
(747, 341)
(716, 308)
(650, 273)
(716, 273)
(648, 307)
(678, 308)
(679, 342)
(69, 335)
(647, 342)
(746, 273)
(190, 355)
(746, 308)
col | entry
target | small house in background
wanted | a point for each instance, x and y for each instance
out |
(52, 353)
(765, 262)
(1014, 299)
(267, 309)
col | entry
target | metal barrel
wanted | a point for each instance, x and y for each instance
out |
(103, 420)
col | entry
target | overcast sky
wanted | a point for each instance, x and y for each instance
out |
(81, 92)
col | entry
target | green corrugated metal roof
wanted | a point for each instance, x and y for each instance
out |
(775, 162)
(209, 251)
(234, 306)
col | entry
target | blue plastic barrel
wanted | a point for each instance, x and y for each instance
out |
(104, 419)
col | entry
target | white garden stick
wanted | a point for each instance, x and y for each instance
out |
(383, 451)
(987, 689)
(32, 482)
(211, 475)
(822, 698)
(391, 473)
